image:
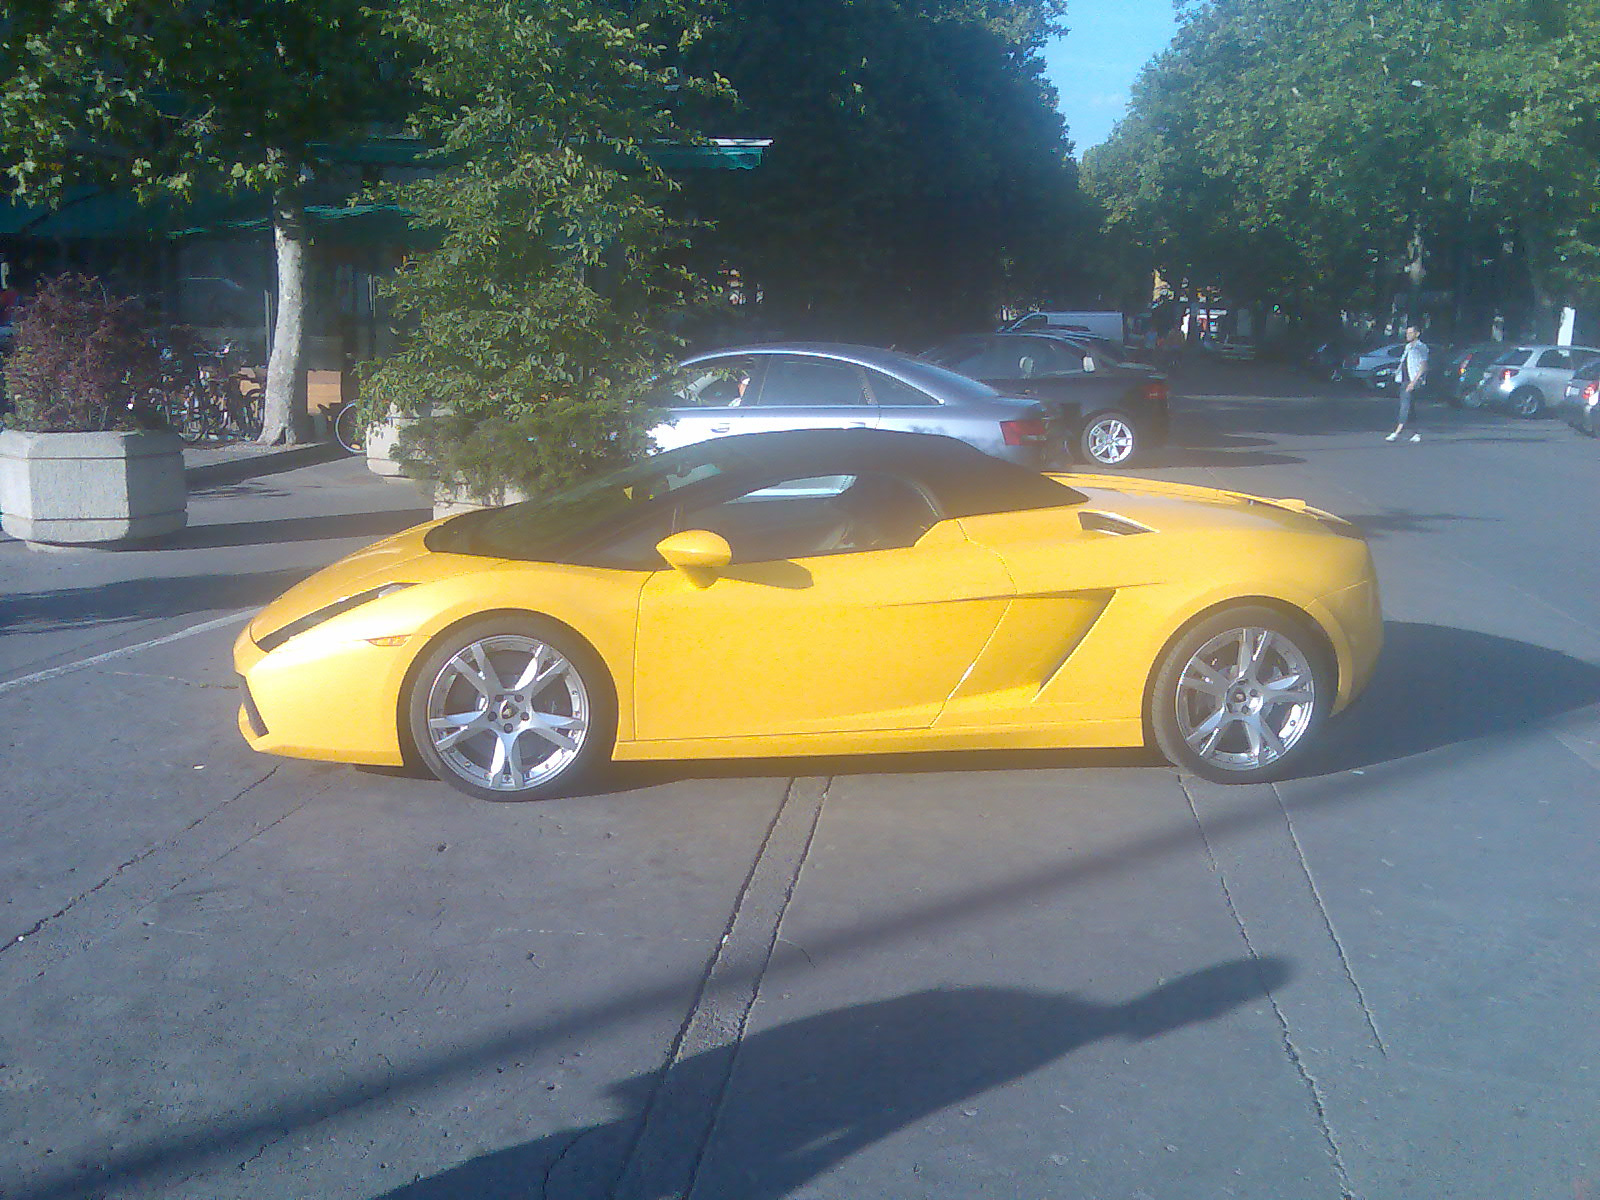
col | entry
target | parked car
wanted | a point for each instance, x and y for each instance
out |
(1464, 370)
(1580, 402)
(1373, 368)
(1103, 409)
(1528, 379)
(1104, 324)
(826, 591)
(823, 385)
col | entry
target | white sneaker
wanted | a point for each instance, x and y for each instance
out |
(1416, 437)
(1392, 436)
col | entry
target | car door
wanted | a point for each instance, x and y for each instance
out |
(873, 632)
(707, 400)
(806, 392)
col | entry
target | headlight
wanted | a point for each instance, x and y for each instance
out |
(311, 620)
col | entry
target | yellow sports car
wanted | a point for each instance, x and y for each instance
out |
(824, 591)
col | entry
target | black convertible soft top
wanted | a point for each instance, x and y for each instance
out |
(959, 479)
(962, 480)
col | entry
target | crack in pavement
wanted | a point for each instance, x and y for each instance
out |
(43, 922)
(1327, 923)
(1313, 1089)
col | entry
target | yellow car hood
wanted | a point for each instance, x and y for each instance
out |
(399, 559)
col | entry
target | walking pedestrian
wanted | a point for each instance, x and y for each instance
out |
(1413, 369)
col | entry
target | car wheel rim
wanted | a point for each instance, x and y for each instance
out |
(507, 713)
(1110, 442)
(1245, 699)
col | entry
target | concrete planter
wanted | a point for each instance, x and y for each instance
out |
(78, 489)
(381, 439)
(450, 498)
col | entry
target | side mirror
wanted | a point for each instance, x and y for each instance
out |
(698, 553)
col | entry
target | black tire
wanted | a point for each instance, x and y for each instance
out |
(1527, 402)
(1213, 715)
(1110, 439)
(565, 726)
(348, 430)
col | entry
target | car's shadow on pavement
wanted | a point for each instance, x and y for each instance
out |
(1436, 686)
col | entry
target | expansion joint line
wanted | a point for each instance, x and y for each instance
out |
(1318, 1104)
(720, 1014)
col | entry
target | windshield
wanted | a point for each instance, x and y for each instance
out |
(541, 528)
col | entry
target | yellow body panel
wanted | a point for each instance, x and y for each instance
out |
(831, 644)
(1024, 630)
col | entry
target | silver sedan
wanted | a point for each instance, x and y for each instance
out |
(822, 385)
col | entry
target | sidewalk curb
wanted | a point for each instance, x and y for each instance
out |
(270, 462)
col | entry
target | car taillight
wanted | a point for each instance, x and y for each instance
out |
(1155, 390)
(1507, 374)
(1027, 432)
(1590, 391)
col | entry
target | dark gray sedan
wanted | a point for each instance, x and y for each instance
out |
(1102, 409)
(823, 385)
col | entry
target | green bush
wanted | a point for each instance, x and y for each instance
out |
(84, 360)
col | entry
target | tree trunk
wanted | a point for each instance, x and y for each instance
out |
(284, 412)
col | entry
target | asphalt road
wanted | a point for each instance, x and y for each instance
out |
(946, 977)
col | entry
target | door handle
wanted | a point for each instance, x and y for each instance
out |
(722, 427)
(857, 425)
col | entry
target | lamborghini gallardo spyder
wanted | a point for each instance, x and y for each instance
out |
(813, 592)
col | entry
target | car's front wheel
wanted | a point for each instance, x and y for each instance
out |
(1240, 696)
(512, 708)
(1110, 439)
(1527, 402)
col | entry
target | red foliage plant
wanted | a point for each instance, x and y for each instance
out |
(84, 360)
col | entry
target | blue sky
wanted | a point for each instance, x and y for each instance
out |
(1096, 63)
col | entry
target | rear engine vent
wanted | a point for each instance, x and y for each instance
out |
(1104, 522)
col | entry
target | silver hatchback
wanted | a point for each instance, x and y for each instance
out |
(822, 385)
(1529, 379)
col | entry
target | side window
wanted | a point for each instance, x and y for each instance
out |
(814, 515)
(1555, 358)
(811, 383)
(720, 383)
(889, 391)
(1055, 357)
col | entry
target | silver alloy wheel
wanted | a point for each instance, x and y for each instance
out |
(1109, 440)
(507, 712)
(1527, 402)
(1245, 699)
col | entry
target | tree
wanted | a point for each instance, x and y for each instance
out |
(532, 334)
(166, 98)
(1342, 152)
(919, 174)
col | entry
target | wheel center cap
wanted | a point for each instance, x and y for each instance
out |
(508, 711)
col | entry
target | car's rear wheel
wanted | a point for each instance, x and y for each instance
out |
(512, 708)
(1240, 696)
(1527, 402)
(1110, 439)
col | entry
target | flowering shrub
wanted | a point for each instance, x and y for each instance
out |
(84, 360)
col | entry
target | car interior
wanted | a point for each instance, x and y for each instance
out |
(792, 518)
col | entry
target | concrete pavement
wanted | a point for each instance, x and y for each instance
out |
(1030, 975)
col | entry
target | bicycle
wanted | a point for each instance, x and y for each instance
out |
(204, 398)
(349, 429)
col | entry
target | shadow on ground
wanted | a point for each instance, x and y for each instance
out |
(803, 1096)
(1436, 686)
(141, 600)
(371, 525)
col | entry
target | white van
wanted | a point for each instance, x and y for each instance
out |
(1100, 324)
